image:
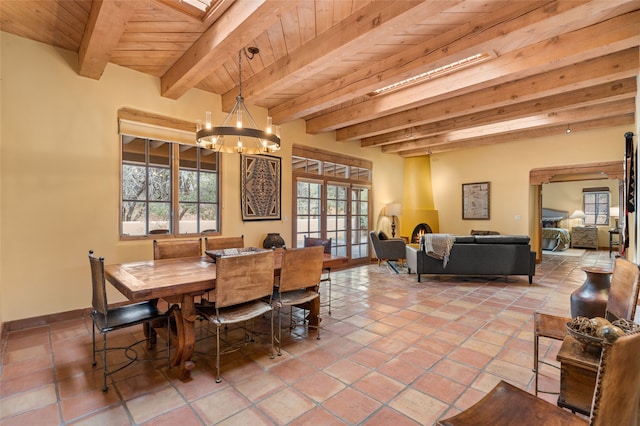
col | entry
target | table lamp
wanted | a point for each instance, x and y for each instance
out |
(615, 213)
(393, 210)
(578, 214)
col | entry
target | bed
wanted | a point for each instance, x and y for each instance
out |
(554, 236)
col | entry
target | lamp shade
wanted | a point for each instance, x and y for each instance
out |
(614, 212)
(577, 214)
(393, 209)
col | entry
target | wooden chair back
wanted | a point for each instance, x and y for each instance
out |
(312, 241)
(219, 243)
(243, 278)
(623, 292)
(171, 249)
(301, 268)
(617, 394)
(99, 298)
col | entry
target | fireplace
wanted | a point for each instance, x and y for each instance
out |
(419, 231)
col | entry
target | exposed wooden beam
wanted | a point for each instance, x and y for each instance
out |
(596, 71)
(607, 92)
(613, 35)
(375, 22)
(557, 130)
(589, 119)
(106, 23)
(242, 22)
(439, 51)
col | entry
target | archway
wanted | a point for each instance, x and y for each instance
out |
(537, 177)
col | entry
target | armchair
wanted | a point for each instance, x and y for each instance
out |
(391, 249)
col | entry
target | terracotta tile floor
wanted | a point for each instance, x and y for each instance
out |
(394, 351)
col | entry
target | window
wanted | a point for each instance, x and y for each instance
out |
(332, 200)
(596, 206)
(153, 200)
(168, 185)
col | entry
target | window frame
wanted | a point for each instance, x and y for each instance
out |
(179, 134)
(593, 209)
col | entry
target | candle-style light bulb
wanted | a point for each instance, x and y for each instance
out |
(198, 125)
(239, 118)
(207, 122)
(269, 124)
(239, 145)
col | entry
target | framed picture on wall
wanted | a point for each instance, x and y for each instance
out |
(260, 187)
(475, 200)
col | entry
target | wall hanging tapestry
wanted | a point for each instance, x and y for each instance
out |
(260, 187)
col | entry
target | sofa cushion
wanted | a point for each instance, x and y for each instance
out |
(382, 236)
(502, 239)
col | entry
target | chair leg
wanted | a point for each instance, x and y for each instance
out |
(93, 340)
(272, 355)
(218, 379)
(104, 362)
(168, 342)
(279, 332)
(535, 361)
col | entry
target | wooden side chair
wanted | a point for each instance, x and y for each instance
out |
(244, 286)
(299, 280)
(623, 298)
(106, 320)
(171, 249)
(219, 243)
(615, 400)
(326, 243)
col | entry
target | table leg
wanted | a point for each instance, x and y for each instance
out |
(314, 312)
(186, 339)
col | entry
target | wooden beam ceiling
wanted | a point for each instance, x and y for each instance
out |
(548, 64)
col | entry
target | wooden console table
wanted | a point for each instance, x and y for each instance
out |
(578, 371)
(584, 236)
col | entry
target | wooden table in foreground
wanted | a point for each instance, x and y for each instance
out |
(180, 281)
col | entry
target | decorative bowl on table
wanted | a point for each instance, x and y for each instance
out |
(585, 339)
(592, 332)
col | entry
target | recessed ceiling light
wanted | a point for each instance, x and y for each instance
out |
(436, 72)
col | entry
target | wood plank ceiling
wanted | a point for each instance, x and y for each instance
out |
(546, 65)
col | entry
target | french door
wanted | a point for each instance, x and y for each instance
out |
(336, 210)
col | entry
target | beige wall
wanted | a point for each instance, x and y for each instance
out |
(507, 167)
(59, 174)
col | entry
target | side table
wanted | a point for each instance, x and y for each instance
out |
(578, 372)
(584, 236)
(612, 232)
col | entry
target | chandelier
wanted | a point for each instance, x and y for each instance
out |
(250, 140)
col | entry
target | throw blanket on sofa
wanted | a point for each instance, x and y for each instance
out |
(437, 246)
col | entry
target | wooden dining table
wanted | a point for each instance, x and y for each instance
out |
(179, 281)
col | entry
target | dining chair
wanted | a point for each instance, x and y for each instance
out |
(300, 275)
(219, 243)
(171, 249)
(621, 304)
(615, 400)
(326, 243)
(106, 320)
(244, 287)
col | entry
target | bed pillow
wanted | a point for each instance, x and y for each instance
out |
(551, 222)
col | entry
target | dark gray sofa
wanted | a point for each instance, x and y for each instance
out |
(478, 255)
